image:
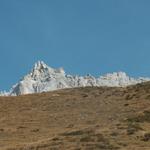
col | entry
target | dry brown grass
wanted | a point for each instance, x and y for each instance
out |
(88, 118)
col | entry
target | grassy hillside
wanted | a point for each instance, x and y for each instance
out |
(88, 118)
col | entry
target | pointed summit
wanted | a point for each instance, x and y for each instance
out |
(40, 65)
(41, 68)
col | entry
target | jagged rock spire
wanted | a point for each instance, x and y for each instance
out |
(40, 65)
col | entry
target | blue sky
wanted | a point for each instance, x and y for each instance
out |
(83, 36)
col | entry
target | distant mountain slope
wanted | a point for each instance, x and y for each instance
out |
(43, 78)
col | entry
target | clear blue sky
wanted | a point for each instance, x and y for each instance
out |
(83, 36)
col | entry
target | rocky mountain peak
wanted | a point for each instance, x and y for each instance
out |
(43, 78)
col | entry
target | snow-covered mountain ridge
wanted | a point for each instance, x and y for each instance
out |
(43, 78)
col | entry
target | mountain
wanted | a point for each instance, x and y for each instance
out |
(43, 78)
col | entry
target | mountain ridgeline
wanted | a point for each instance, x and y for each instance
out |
(43, 78)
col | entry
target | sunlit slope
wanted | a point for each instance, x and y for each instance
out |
(88, 118)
